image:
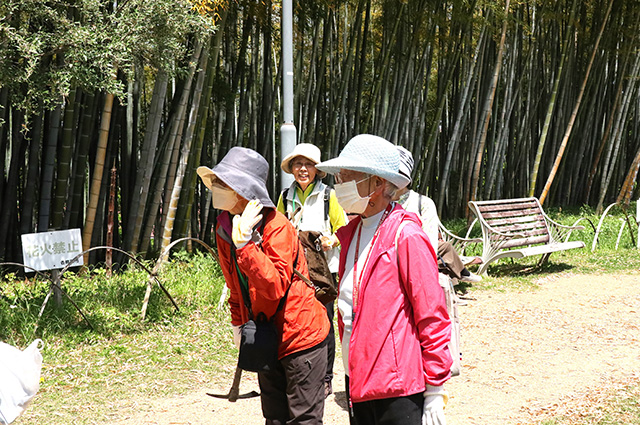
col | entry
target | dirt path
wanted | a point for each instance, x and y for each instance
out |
(524, 353)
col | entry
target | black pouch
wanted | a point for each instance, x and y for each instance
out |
(259, 345)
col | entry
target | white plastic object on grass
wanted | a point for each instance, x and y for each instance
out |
(19, 378)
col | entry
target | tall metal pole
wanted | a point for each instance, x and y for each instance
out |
(288, 134)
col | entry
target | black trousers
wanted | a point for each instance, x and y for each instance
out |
(331, 342)
(387, 411)
(293, 393)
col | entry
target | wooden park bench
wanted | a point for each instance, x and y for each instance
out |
(519, 228)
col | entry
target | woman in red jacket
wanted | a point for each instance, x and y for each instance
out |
(393, 319)
(266, 247)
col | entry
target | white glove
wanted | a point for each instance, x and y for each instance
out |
(236, 336)
(243, 224)
(435, 400)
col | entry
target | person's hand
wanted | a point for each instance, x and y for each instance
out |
(435, 400)
(236, 336)
(243, 224)
(328, 242)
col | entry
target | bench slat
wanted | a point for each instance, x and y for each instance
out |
(506, 201)
(519, 231)
(507, 207)
(515, 213)
(525, 241)
(495, 222)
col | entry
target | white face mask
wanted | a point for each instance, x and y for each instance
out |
(349, 198)
(223, 199)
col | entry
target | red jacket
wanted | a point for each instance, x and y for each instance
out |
(401, 327)
(302, 322)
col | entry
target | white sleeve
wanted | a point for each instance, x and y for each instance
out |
(429, 216)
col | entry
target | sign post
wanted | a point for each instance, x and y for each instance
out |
(288, 133)
(52, 251)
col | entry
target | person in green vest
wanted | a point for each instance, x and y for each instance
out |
(312, 205)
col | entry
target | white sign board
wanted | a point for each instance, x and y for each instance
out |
(51, 250)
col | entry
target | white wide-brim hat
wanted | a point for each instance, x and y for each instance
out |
(368, 154)
(307, 150)
(243, 170)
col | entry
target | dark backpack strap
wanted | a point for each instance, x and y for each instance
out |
(244, 283)
(285, 203)
(327, 196)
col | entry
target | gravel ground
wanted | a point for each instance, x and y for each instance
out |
(525, 355)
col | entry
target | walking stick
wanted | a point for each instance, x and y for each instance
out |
(234, 392)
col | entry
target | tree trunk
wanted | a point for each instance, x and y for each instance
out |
(173, 145)
(488, 109)
(9, 212)
(133, 223)
(30, 185)
(98, 172)
(185, 152)
(567, 133)
(63, 163)
(552, 102)
(48, 167)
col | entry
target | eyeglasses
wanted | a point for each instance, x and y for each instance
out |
(300, 164)
(343, 178)
(216, 182)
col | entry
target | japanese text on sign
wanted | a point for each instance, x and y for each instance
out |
(51, 250)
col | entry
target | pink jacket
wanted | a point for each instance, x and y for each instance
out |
(401, 327)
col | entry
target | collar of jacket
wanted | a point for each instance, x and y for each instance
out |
(386, 238)
(313, 189)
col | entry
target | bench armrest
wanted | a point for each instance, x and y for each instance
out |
(458, 242)
(561, 232)
(458, 238)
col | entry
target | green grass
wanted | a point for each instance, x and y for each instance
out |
(510, 274)
(89, 375)
(621, 408)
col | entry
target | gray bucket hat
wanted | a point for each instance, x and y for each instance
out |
(243, 170)
(368, 154)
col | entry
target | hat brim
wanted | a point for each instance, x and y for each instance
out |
(334, 165)
(285, 165)
(206, 175)
(243, 184)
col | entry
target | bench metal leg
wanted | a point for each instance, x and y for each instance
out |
(544, 259)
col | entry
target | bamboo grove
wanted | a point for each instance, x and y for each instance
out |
(107, 108)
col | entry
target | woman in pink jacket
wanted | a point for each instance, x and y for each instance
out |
(393, 321)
